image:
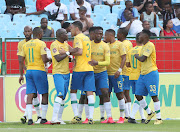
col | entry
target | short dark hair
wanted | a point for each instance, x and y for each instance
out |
(111, 31)
(98, 28)
(148, 3)
(123, 31)
(165, 23)
(128, 1)
(78, 24)
(92, 29)
(146, 32)
(37, 31)
(66, 25)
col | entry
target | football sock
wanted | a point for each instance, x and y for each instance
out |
(80, 110)
(121, 107)
(36, 105)
(134, 109)
(144, 105)
(91, 105)
(56, 107)
(74, 103)
(126, 110)
(25, 113)
(29, 108)
(107, 106)
(61, 110)
(129, 107)
(141, 111)
(44, 110)
(87, 110)
(157, 109)
(101, 110)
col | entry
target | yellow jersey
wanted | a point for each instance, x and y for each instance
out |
(128, 45)
(61, 67)
(135, 63)
(149, 64)
(117, 49)
(32, 51)
(98, 53)
(83, 42)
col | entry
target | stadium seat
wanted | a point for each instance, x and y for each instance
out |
(97, 18)
(112, 17)
(102, 9)
(19, 17)
(30, 9)
(33, 24)
(5, 18)
(39, 17)
(175, 1)
(117, 8)
(66, 2)
(3, 8)
(2, 3)
(30, 2)
(55, 25)
(106, 24)
(8, 34)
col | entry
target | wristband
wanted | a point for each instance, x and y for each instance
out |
(67, 53)
(120, 70)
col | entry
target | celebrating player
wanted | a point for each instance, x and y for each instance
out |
(27, 34)
(117, 62)
(83, 73)
(122, 34)
(34, 53)
(100, 59)
(133, 77)
(148, 81)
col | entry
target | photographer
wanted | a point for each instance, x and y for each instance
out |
(57, 10)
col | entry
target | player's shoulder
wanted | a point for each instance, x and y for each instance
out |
(22, 42)
(150, 44)
(54, 43)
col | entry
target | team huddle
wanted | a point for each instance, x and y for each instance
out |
(100, 66)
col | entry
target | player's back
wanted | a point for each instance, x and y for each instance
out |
(83, 42)
(128, 45)
(135, 64)
(32, 51)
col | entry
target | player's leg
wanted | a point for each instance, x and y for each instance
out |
(152, 84)
(41, 82)
(139, 93)
(101, 107)
(77, 83)
(81, 104)
(86, 110)
(29, 107)
(36, 105)
(24, 118)
(118, 89)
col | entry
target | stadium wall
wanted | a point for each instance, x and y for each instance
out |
(15, 97)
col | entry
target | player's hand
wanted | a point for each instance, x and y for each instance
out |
(132, 20)
(136, 55)
(155, 4)
(21, 79)
(93, 63)
(74, 63)
(62, 51)
(46, 68)
(73, 50)
(117, 74)
(28, 14)
(161, 27)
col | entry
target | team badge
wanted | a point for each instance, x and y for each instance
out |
(45, 49)
(54, 50)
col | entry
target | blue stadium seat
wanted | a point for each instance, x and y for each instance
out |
(175, 1)
(66, 2)
(19, 17)
(30, 2)
(33, 24)
(8, 34)
(97, 18)
(2, 3)
(55, 25)
(117, 8)
(106, 24)
(39, 17)
(102, 9)
(30, 9)
(3, 8)
(112, 17)
(5, 18)
(70, 21)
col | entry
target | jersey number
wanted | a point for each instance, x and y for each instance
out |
(88, 52)
(134, 62)
(31, 55)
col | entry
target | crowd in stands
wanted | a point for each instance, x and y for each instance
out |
(132, 14)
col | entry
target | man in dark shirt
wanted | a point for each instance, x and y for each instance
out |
(146, 26)
(15, 7)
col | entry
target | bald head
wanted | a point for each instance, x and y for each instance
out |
(61, 35)
(27, 32)
(61, 31)
(27, 28)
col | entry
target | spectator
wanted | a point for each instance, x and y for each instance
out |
(41, 4)
(15, 7)
(73, 8)
(94, 2)
(67, 27)
(129, 6)
(146, 26)
(47, 30)
(166, 30)
(149, 15)
(176, 22)
(53, 9)
(87, 22)
(111, 3)
(133, 26)
(168, 12)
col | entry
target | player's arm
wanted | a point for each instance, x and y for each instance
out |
(44, 54)
(36, 13)
(24, 67)
(140, 58)
(52, 34)
(78, 47)
(21, 59)
(128, 64)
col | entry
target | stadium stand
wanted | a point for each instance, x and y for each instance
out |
(55, 25)
(117, 8)
(5, 18)
(30, 9)
(175, 1)
(3, 8)
(30, 2)
(66, 2)
(102, 9)
(97, 18)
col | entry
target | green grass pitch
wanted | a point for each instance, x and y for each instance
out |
(167, 126)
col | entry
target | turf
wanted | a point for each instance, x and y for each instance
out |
(167, 126)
